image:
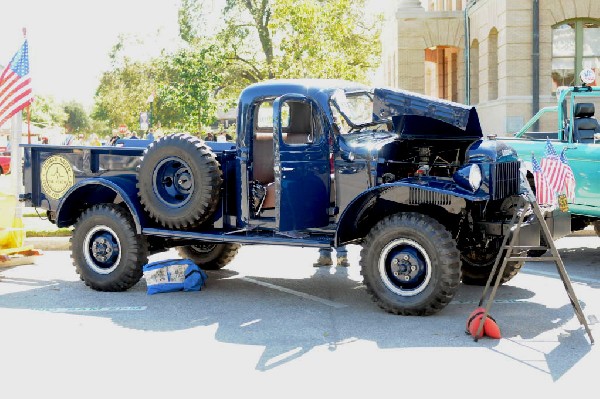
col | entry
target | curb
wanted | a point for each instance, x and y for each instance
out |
(49, 243)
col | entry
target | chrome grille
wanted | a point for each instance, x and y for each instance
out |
(505, 180)
(419, 196)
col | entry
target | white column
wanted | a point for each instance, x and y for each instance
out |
(15, 159)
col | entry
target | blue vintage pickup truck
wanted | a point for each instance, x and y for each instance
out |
(578, 132)
(317, 163)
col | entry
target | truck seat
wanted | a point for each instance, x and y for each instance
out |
(299, 131)
(584, 123)
(264, 161)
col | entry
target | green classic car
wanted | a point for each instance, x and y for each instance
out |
(578, 134)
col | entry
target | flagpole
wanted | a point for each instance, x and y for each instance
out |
(29, 124)
(29, 106)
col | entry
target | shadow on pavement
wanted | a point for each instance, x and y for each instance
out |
(290, 317)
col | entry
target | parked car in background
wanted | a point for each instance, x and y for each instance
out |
(4, 164)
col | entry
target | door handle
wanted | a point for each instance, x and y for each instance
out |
(284, 169)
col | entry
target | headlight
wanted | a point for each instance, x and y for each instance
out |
(469, 177)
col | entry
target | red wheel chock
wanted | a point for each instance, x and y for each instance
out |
(490, 328)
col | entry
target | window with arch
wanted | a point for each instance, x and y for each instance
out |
(575, 46)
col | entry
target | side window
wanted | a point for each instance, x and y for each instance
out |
(264, 117)
(575, 46)
(305, 123)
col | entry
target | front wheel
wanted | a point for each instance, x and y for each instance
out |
(107, 252)
(410, 264)
(208, 255)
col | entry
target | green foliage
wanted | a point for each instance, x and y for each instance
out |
(45, 112)
(325, 39)
(77, 119)
(101, 128)
(265, 39)
(258, 40)
(190, 12)
(123, 93)
(186, 85)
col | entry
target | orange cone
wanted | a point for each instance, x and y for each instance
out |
(490, 328)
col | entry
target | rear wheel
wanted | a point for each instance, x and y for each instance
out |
(536, 253)
(410, 265)
(477, 267)
(107, 252)
(208, 255)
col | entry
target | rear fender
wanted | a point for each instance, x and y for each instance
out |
(100, 190)
(380, 201)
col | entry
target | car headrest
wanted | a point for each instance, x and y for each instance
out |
(584, 110)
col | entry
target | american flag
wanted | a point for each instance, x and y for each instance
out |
(569, 176)
(553, 169)
(543, 193)
(15, 85)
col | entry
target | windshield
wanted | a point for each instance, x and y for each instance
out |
(355, 108)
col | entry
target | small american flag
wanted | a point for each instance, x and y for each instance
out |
(553, 169)
(569, 176)
(15, 85)
(543, 193)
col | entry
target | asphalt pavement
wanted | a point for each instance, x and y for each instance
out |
(270, 325)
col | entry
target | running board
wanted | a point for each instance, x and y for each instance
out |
(246, 237)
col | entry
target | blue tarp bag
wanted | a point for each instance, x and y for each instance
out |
(173, 275)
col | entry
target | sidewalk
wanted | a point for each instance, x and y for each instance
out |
(49, 243)
(39, 225)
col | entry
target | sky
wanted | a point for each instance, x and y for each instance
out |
(70, 40)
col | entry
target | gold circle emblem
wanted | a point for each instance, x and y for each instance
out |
(57, 176)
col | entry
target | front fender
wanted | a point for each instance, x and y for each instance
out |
(377, 202)
(100, 190)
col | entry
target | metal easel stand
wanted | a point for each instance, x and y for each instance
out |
(525, 204)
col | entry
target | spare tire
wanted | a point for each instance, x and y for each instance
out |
(179, 180)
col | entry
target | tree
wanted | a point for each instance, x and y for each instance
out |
(264, 39)
(182, 84)
(45, 111)
(123, 93)
(325, 39)
(186, 84)
(77, 119)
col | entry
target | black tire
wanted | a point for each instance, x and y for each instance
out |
(536, 253)
(597, 228)
(476, 268)
(107, 253)
(208, 255)
(410, 264)
(179, 181)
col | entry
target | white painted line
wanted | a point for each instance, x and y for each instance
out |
(95, 309)
(485, 301)
(296, 293)
(575, 279)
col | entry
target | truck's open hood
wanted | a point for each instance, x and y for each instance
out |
(418, 116)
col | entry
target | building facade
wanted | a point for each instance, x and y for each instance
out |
(506, 57)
